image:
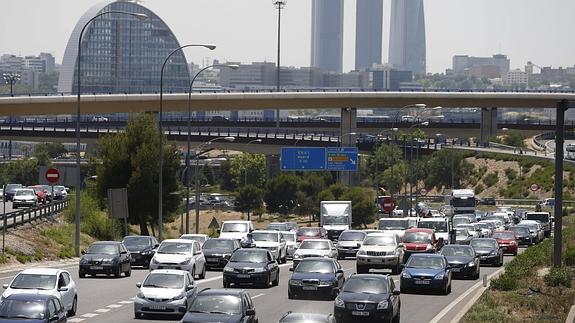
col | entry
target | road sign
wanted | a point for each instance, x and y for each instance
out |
(118, 203)
(423, 191)
(214, 224)
(534, 187)
(342, 158)
(52, 175)
(302, 158)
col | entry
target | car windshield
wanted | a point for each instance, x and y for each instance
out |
(163, 280)
(11, 187)
(393, 224)
(22, 309)
(104, 248)
(200, 239)
(220, 304)
(503, 235)
(352, 236)
(234, 227)
(520, 230)
(334, 220)
(425, 262)
(412, 237)
(34, 281)
(142, 242)
(175, 247)
(458, 221)
(531, 227)
(315, 266)
(249, 256)
(218, 244)
(264, 236)
(364, 285)
(463, 202)
(482, 225)
(541, 217)
(278, 226)
(379, 241)
(483, 243)
(457, 251)
(438, 226)
(308, 232)
(289, 237)
(318, 245)
(461, 233)
(22, 192)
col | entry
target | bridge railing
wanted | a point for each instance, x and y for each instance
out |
(23, 216)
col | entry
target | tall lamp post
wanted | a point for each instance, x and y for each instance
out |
(376, 184)
(232, 66)
(246, 170)
(11, 78)
(161, 131)
(279, 4)
(197, 183)
(141, 17)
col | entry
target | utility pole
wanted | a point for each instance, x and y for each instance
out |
(279, 4)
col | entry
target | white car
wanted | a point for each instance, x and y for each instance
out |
(273, 241)
(380, 251)
(472, 228)
(201, 238)
(47, 281)
(314, 248)
(436, 213)
(164, 291)
(397, 225)
(290, 238)
(24, 197)
(485, 229)
(236, 229)
(180, 254)
(439, 225)
(349, 242)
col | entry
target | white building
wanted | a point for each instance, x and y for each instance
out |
(515, 77)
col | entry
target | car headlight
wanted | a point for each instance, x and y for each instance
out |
(405, 274)
(327, 282)
(228, 269)
(141, 295)
(107, 261)
(297, 256)
(154, 261)
(259, 270)
(439, 276)
(493, 253)
(382, 305)
(361, 252)
(295, 282)
(83, 261)
(177, 297)
(471, 264)
(339, 302)
(186, 262)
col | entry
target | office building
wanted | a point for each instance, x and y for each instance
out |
(515, 77)
(489, 67)
(327, 35)
(385, 78)
(368, 33)
(123, 54)
(407, 36)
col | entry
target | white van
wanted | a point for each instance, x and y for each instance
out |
(236, 229)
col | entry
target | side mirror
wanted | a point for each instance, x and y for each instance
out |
(123, 252)
(250, 311)
(138, 285)
(290, 269)
(339, 271)
(190, 287)
(197, 252)
(156, 245)
(63, 289)
(5, 286)
(396, 292)
(83, 252)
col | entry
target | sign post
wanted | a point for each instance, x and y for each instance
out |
(118, 207)
(534, 187)
(52, 176)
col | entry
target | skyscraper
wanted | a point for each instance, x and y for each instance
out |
(368, 33)
(407, 36)
(327, 35)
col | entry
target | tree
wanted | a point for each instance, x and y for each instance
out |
(53, 149)
(281, 194)
(250, 168)
(25, 172)
(447, 166)
(382, 159)
(250, 197)
(362, 205)
(514, 138)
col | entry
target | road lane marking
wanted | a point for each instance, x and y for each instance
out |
(126, 302)
(74, 320)
(258, 295)
(89, 315)
(114, 305)
(103, 310)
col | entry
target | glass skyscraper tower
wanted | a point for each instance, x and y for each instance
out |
(327, 35)
(407, 36)
(368, 33)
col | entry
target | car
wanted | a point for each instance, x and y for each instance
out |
(24, 197)
(201, 238)
(380, 251)
(28, 307)
(426, 271)
(522, 235)
(368, 298)
(47, 281)
(141, 248)
(164, 291)
(314, 248)
(544, 218)
(462, 236)
(60, 192)
(180, 254)
(48, 191)
(440, 226)
(291, 317)
(236, 229)
(218, 251)
(488, 250)
(40, 194)
(473, 229)
(290, 238)
(310, 233)
(535, 227)
(486, 230)
(349, 242)
(548, 202)
(462, 260)
(488, 201)
(497, 223)
(221, 305)
(99, 119)
(105, 257)
(9, 190)
(252, 266)
(316, 276)
(457, 220)
(503, 217)
(272, 241)
(396, 225)
(418, 240)
(507, 241)
(279, 226)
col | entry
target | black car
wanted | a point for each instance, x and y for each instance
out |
(368, 298)
(251, 266)
(463, 261)
(221, 305)
(106, 257)
(218, 251)
(522, 235)
(488, 201)
(141, 248)
(9, 191)
(290, 317)
(33, 308)
(488, 251)
(316, 276)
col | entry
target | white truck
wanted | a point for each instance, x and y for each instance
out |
(463, 201)
(335, 217)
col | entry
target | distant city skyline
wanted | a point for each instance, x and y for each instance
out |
(245, 31)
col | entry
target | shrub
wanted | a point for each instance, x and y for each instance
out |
(558, 276)
(569, 258)
(491, 179)
(479, 188)
(511, 174)
(504, 282)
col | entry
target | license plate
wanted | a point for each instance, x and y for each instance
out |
(422, 282)
(309, 288)
(243, 276)
(456, 270)
(169, 267)
(96, 267)
(157, 307)
(359, 313)
(212, 260)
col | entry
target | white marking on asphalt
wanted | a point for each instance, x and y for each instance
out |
(89, 315)
(126, 302)
(114, 305)
(258, 295)
(102, 310)
(74, 320)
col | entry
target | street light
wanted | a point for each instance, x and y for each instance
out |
(197, 183)
(141, 17)
(232, 66)
(279, 4)
(246, 170)
(417, 125)
(161, 131)
(11, 78)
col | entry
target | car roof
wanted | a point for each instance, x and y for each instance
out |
(433, 220)
(323, 259)
(107, 242)
(179, 240)
(419, 230)
(266, 231)
(168, 271)
(287, 232)
(353, 231)
(313, 240)
(41, 271)
(378, 276)
(231, 292)
(484, 239)
(31, 296)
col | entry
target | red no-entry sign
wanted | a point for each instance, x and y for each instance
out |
(52, 175)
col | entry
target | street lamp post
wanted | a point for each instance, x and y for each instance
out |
(197, 183)
(140, 16)
(416, 125)
(11, 78)
(246, 170)
(161, 131)
(279, 4)
(232, 66)
(376, 147)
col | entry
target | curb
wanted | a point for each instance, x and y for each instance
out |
(571, 316)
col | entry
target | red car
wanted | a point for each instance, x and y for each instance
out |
(40, 193)
(310, 233)
(418, 240)
(507, 241)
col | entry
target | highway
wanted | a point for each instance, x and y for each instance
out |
(105, 299)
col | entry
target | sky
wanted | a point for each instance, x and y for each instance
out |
(245, 31)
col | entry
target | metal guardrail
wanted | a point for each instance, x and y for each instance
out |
(30, 214)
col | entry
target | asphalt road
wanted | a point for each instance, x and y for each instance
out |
(106, 299)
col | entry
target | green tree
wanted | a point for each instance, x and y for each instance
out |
(362, 205)
(514, 138)
(24, 171)
(249, 198)
(445, 166)
(226, 179)
(381, 160)
(42, 155)
(281, 194)
(53, 149)
(249, 168)
(308, 193)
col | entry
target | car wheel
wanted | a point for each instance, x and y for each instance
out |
(266, 283)
(118, 273)
(446, 290)
(74, 308)
(291, 295)
(515, 253)
(194, 272)
(277, 280)
(82, 274)
(129, 272)
(477, 274)
(397, 318)
(203, 273)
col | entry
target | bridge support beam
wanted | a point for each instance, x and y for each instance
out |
(488, 126)
(348, 125)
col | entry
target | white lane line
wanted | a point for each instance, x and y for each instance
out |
(126, 302)
(114, 305)
(89, 315)
(103, 310)
(258, 295)
(74, 320)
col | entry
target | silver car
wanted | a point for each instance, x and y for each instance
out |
(24, 197)
(180, 254)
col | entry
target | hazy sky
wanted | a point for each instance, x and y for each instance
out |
(245, 30)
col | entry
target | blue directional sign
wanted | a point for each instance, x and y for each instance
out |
(342, 159)
(303, 158)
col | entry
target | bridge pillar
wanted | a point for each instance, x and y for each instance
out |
(348, 125)
(488, 125)
(272, 165)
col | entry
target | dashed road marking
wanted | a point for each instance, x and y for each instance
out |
(89, 315)
(75, 320)
(126, 302)
(258, 295)
(114, 305)
(103, 310)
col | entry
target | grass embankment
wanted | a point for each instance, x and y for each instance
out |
(530, 290)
